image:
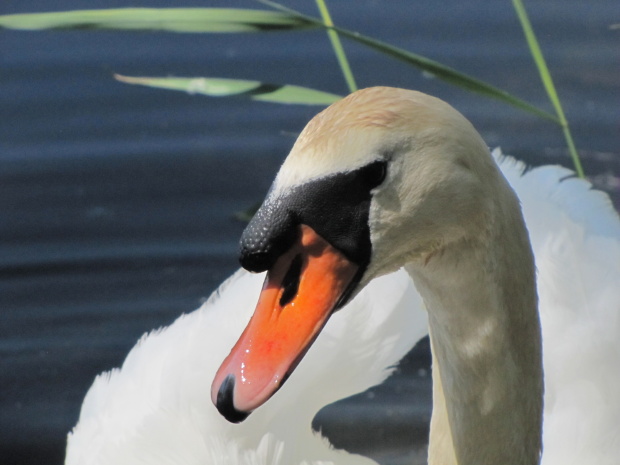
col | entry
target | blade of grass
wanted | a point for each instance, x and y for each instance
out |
(545, 75)
(218, 87)
(160, 19)
(435, 68)
(337, 46)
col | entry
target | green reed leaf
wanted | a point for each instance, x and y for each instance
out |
(218, 87)
(160, 19)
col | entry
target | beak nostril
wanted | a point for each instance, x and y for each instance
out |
(290, 283)
(225, 404)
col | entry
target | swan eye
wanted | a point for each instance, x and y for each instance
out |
(374, 174)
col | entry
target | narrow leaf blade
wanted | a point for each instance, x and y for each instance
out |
(219, 87)
(213, 20)
(547, 80)
(448, 74)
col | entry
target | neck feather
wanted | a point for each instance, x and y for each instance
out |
(486, 343)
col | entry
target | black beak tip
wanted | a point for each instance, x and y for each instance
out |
(255, 262)
(225, 404)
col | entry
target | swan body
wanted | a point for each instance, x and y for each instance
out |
(156, 408)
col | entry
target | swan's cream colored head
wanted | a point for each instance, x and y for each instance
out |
(439, 170)
(382, 178)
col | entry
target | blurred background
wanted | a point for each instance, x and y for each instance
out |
(117, 202)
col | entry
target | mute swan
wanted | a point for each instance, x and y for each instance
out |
(155, 409)
(389, 178)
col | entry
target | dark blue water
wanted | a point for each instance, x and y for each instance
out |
(117, 202)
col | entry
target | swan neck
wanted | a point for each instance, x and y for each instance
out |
(486, 343)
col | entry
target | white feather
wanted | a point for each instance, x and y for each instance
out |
(575, 234)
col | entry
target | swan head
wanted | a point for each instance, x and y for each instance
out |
(383, 178)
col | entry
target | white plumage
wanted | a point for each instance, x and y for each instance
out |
(575, 234)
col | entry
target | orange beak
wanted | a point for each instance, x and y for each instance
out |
(300, 293)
